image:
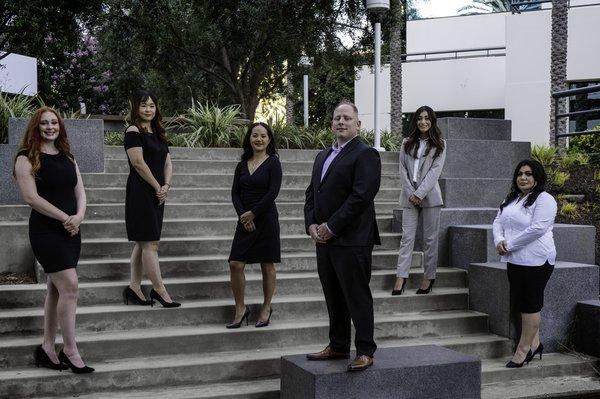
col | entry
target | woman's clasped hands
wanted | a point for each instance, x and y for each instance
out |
(161, 194)
(71, 224)
(247, 220)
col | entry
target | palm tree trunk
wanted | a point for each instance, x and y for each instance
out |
(558, 66)
(396, 69)
(289, 100)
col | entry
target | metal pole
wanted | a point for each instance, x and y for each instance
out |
(376, 100)
(556, 122)
(305, 100)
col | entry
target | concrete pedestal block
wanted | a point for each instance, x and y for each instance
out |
(475, 244)
(475, 128)
(569, 284)
(587, 330)
(86, 137)
(406, 372)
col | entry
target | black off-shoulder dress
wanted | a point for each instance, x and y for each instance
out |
(143, 215)
(257, 193)
(52, 245)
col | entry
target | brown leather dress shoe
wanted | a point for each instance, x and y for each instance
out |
(360, 363)
(327, 354)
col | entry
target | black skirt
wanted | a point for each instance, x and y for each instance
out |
(527, 284)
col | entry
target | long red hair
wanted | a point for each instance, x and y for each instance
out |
(32, 140)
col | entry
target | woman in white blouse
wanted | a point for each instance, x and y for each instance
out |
(523, 237)
(421, 161)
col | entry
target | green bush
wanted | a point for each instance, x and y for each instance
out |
(15, 106)
(587, 144)
(543, 154)
(558, 178)
(113, 138)
(569, 209)
(570, 159)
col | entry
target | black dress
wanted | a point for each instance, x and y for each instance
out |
(257, 193)
(143, 215)
(52, 245)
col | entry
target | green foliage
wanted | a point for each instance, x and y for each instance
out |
(570, 159)
(113, 138)
(597, 175)
(210, 126)
(587, 144)
(558, 178)
(14, 106)
(543, 154)
(569, 209)
(390, 141)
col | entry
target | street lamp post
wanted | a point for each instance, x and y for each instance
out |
(305, 62)
(377, 8)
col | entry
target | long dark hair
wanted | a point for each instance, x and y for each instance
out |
(539, 176)
(32, 140)
(435, 134)
(134, 116)
(247, 147)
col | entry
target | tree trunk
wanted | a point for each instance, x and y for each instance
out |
(558, 66)
(289, 100)
(396, 70)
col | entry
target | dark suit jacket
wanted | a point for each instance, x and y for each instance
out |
(344, 199)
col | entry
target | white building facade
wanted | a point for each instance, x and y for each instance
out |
(18, 74)
(513, 74)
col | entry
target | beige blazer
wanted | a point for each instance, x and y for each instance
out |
(427, 187)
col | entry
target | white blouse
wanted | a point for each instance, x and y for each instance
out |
(420, 153)
(527, 231)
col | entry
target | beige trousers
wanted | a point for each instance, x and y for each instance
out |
(430, 223)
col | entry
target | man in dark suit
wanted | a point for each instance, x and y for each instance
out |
(339, 215)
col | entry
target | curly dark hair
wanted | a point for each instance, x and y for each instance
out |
(539, 176)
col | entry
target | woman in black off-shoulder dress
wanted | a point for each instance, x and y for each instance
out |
(50, 182)
(256, 184)
(148, 185)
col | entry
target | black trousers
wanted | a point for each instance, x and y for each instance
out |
(345, 273)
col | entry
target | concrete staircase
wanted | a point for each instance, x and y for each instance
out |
(187, 352)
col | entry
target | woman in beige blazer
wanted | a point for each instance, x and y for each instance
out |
(421, 161)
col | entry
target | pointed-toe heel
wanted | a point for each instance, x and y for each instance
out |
(540, 350)
(62, 356)
(42, 359)
(128, 294)
(165, 304)
(239, 323)
(401, 290)
(261, 323)
(513, 365)
(428, 290)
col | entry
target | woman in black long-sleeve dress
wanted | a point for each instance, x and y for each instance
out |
(256, 184)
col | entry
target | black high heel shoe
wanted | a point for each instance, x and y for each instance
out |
(261, 323)
(428, 290)
(62, 356)
(128, 294)
(401, 290)
(239, 323)
(540, 350)
(156, 295)
(42, 358)
(513, 365)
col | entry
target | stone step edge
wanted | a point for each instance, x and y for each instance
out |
(88, 222)
(204, 238)
(221, 278)
(240, 355)
(212, 328)
(223, 257)
(200, 304)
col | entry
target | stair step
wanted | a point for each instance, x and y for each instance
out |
(199, 312)
(220, 180)
(208, 338)
(221, 194)
(172, 370)
(203, 245)
(112, 165)
(571, 386)
(174, 210)
(102, 268)
(22, 296)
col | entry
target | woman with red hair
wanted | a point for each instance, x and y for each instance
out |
(50, 183)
